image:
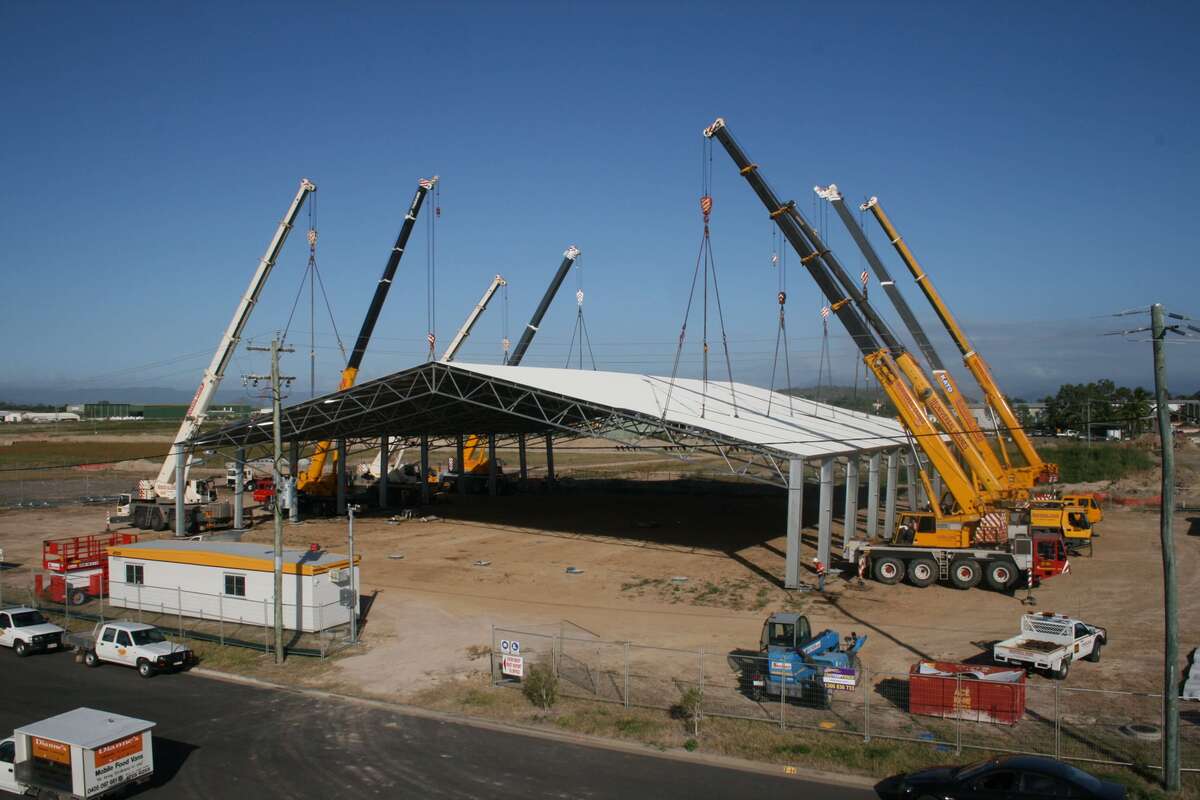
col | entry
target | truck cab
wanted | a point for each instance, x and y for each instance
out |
(1088, 503)
(133, 644)
(1069, 519)
(8, 778)
(26, 631)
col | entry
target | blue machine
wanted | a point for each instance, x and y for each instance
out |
(797, 664)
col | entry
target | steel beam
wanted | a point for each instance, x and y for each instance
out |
(850, 513)
(873, 495)
(795, 522)
(825, 521)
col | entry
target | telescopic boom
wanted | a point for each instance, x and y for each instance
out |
(569, 257)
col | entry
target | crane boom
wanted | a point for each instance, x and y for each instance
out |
(1045, 472)
(472, 318)
(317, 464)
(942, 377)
(198, 409)
(879, 359)
(569, 256)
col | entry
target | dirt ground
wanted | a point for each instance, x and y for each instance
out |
(434, 605)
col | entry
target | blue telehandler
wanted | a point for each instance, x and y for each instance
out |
(794, 663)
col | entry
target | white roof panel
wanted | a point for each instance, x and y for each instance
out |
(86, 727)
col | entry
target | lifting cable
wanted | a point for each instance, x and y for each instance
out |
(824, 365)
(704, 259)
(780, 263)
(505, 342)
(312, 277)
(431, 271)
(580, 328)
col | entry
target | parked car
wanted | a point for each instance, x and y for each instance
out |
(26, 631)
(1033, 777)
(133, 644)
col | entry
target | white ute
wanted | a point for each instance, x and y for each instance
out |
(1050, 642)
(26, 631)
(83, 753)
(133, 644)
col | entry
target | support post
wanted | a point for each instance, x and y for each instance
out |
(889, 501)
(239, 488)
(524, 460)
(180, 488)
(340, 476)
(850, 514)
(353, 583)
(795, 521)
(549, 460)
(385, 458)
(825, 521)
(293, 481)
(424, 469)
(492, 488)
(1170, 693)
(460, 468)
(873, 495)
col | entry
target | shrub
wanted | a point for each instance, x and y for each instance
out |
(541, 686)
(690, 745)
(691, 702)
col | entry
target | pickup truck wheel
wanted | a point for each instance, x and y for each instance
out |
(145, 669)
(889, 570)
(1060, 674)
(91, 659)
(1000, 575)
(965, 573)
(922, 572)
(21, 648)
(1094, 656)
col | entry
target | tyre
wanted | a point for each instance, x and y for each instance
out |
(21, 649)
(78, 597)
(145, 669)
(91, 659)
(1000, 575)
(922, 572)
(1063, 670)
(1094, 656)
(158, 520)
(965, 573)
(888, 570)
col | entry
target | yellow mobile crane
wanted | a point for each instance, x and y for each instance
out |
(965, 536)
(315, 489)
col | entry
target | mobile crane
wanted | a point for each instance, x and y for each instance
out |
(149, 505)
(971, 537)
(315, 489)
(475, 461)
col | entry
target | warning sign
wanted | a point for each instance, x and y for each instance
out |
(51, 750)
(513, 666)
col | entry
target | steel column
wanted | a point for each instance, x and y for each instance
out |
(524, 474)
(889, 503)
(873, 495)
(492, 488)
(293, 496)
(825, 522)
(239, 489)
(385, 457)
(795, 521)
(459, 469)
(549, 460)
(850, 514)
(340, 477)
(424, 469)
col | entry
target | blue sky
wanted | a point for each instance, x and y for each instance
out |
(1040, 159)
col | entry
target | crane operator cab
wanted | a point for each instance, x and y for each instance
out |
(784, 630)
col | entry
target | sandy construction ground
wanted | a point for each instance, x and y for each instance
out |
(434, 605)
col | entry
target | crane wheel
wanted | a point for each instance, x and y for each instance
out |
(965, 573)
(922, 572)
(1000, 575)
(889, 570)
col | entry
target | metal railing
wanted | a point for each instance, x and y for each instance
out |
(1034, 716)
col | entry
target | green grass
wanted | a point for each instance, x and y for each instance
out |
(1078, 463)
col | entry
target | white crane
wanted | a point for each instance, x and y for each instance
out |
(472, 318)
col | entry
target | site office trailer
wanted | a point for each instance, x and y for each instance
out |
(234, 582)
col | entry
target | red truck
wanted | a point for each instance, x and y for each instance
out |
(78, 566)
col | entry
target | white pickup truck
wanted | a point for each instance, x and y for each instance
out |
(1050, 642)
(133, 644)
(83, 753)
(26, 631)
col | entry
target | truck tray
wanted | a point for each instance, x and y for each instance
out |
(1035, 646)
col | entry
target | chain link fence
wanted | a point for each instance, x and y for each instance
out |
(189, 615)
(951, 712)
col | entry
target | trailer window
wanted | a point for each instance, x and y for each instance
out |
(235, 585)
(7, 752)
(135, 573)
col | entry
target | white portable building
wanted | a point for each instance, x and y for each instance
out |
(234, 581)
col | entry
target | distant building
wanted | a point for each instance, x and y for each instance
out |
(158, 412)
(49, 416)
(11, 416)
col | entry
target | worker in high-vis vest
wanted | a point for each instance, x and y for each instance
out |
(820, 568)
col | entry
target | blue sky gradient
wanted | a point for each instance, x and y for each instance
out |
(1040, 159)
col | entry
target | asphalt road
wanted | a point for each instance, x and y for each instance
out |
(218, 739)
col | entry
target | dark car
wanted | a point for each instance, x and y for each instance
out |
(1007, 778)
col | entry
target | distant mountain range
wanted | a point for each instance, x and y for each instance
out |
(144, 395)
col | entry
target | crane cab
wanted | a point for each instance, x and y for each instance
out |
(784, 630)
(1089, 503)
(924, 529)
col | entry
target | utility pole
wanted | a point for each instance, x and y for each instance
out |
(276, 400)
(1170, 739)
